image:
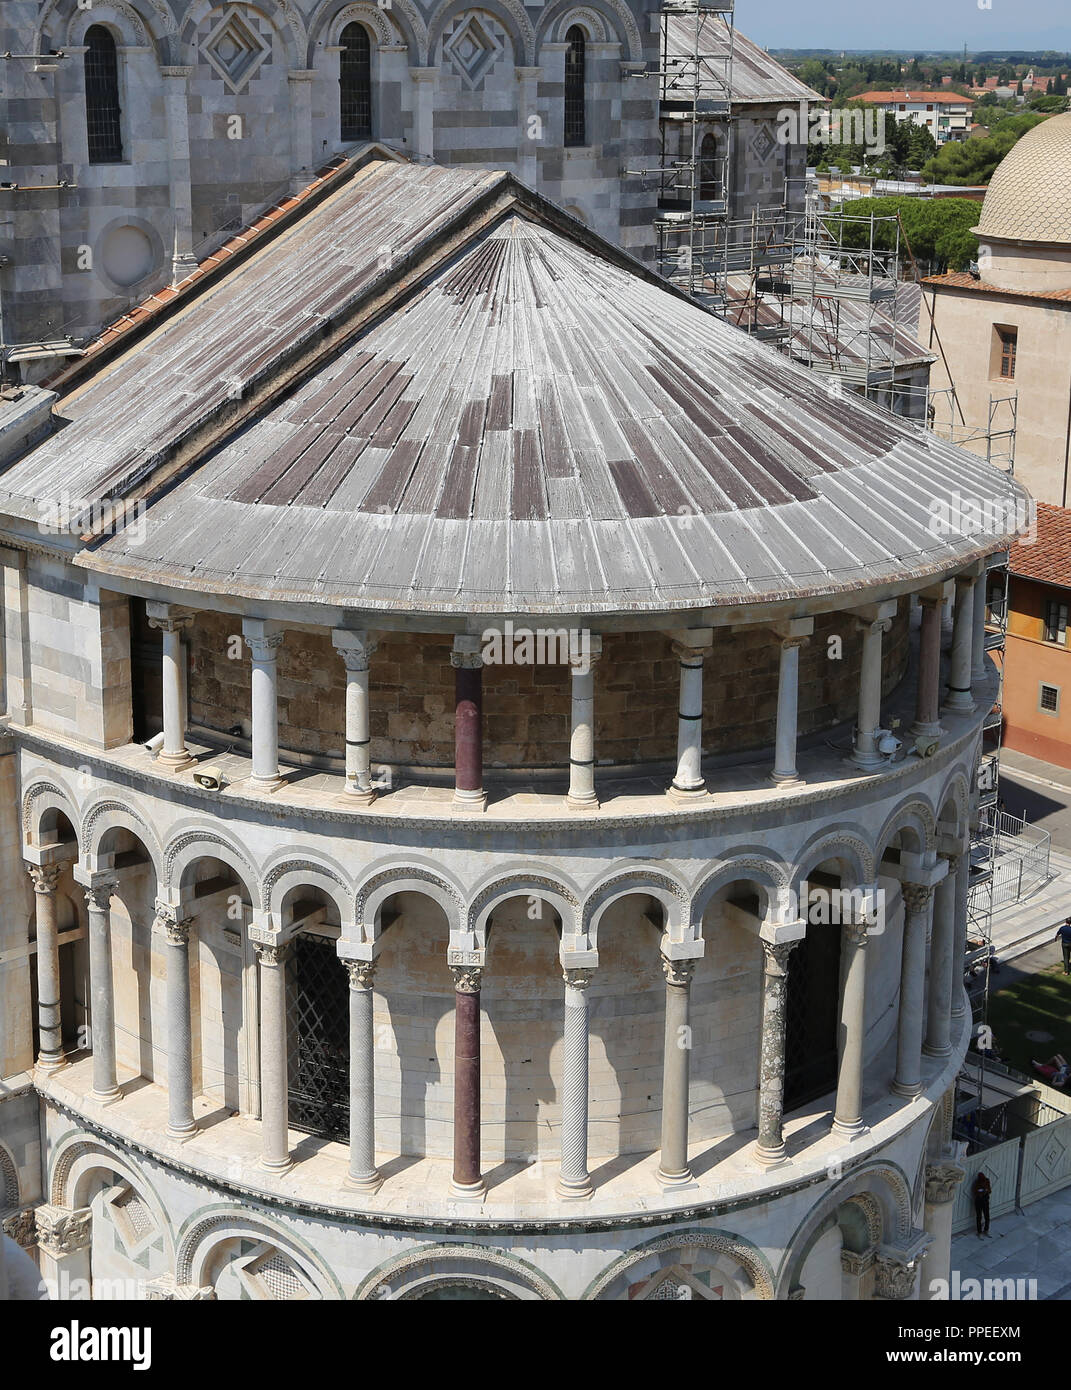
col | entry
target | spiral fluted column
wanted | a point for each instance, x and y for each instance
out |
(574, 1179)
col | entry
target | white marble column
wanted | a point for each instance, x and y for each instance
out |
(574, 1180)
(979, 669)
(302, 156)
(99, 895)
(959, 934)
(356, 650)
(363, 1174)
(673, 1170)
(176, 112)
(171, 622)
(918, 904)
(848, 1115)
(793, 635)
(691, 648)
(942, 1181)
(175, 930)
(770, 1149)
(274, 1098)
(582, 794)
(264, 641)
(959, 699)
(49, 1020)
(938, 1041)
(424, 82)
(865, 753)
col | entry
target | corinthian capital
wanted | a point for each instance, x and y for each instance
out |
(99, 895)
(916, 896)
(361, 973)
(678, 972)
(62, 1230)
(467, 978)
(45, 877)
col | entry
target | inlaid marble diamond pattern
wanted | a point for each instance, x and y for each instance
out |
(763, 144)
(234, 49)
(473, 49)
(1049, 1158)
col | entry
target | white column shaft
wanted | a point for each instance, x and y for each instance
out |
(273, 1070)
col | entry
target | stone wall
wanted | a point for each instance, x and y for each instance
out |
(527, 708)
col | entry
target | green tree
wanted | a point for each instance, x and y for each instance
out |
(974, 161)
(937, 229)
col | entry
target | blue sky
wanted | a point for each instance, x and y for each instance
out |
(906, 24)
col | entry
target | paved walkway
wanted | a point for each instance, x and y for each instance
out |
(1035, 1244)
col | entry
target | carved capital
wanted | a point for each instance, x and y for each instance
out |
(100, 894)
(678, 972)
(175, 929)
(466, 661)
(942, 1180)
(856, 933)
(873, 626)
(361, 973)
(688, 655)
(916, 896)
(264, 648)
(577, 979)
(894, 1279)
(166, 617)
(857, 1262)
(355, 648)
(45, 877)
(21, 1227)
(776, 955)
(271, 953)
(62, 1230)
(467, 978)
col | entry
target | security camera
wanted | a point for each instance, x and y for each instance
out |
(155, 743)
(210, 778)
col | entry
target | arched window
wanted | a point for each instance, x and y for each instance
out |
(574, 87)
(102, 97)
(355, 84)
(709, 180)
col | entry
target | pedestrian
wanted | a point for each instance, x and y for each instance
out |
(980, 1190)
(1063, 936)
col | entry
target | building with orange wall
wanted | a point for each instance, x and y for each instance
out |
(1037, 717)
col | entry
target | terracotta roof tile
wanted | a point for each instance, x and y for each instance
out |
(963, 280)
(1049, 558)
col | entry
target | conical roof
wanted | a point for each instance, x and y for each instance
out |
(535, 425)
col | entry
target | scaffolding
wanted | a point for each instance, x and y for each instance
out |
(696, 42)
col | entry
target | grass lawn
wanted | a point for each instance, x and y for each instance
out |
(1035, 1003)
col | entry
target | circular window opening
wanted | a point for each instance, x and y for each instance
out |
(127, 255)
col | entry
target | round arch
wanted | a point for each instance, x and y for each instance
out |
(629, 881)
(188, 845)
(956, 793)
(78, 1156)
(322, 873)
(560, 893)
(916, 819)
(404, 876)
(121, 20)
(411, 1273)
(746, 866)
(107, 815)
(400, 23)
(738, 1248)
(207, 1229)
(836, 842)
(617, 21)
(884, 1182)
(38, 800)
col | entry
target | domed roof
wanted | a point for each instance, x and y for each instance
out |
(1029, 197)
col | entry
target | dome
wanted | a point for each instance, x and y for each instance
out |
(1029, 198)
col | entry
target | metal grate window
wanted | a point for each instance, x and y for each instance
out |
(811, 1014)
(1049, 698)
(355, 84)
(318, 1042)
(103, 130)
(575, 133)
